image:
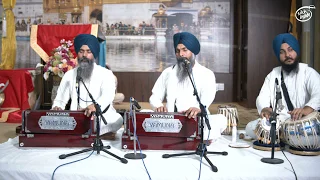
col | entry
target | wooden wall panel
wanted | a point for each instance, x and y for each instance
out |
(266, 19)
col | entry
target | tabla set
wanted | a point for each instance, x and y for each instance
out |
(302, 136)
(231, 113)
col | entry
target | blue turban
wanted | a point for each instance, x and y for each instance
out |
(87, 39)
(187, 39)
(285, 38)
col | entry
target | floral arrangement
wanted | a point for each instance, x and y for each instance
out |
(61, 61)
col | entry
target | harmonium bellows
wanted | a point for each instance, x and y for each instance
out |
(161, 131)
(41, 128)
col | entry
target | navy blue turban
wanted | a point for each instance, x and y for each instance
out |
(87, 39)
(187, 39)
(285, 38)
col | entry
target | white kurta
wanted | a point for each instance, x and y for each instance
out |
(303, 89)
(101, 86)
(181, 94)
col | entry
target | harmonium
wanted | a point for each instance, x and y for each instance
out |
(41, 128)
(160, 131)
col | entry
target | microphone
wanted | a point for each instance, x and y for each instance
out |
(186, 62)
(135, 103)
(278, 96)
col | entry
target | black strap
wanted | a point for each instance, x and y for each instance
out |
(78, 92)
(106, 109)
(285, 93)
(175, 107)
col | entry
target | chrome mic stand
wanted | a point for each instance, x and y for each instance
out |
(202, 148)
(134, 155)
(273, 120)
(97, 145)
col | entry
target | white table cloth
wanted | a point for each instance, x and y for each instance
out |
(39, 163)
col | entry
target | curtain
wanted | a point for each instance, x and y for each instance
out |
(9, 47)
(102, 54)
(316, 18)
(293, 20)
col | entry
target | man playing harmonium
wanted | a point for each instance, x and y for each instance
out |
(302, 84)
(99, 81)
(175, 84)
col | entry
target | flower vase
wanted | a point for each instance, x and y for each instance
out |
(55, 85)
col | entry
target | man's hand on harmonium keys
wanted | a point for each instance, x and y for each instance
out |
(161, 109)
(192, 112)
(56, 108)
(89, 111)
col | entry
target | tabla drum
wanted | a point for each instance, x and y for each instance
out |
(303, 135)
(263, 134)
(231, 113)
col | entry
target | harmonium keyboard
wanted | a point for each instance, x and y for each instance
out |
(161, 131)
(41, 128)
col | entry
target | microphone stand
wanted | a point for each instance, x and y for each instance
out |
(273, 120)
(134, 155)
(202, 148)
(97, 145)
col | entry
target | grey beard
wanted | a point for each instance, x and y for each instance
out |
(182, 73)
(86, 66)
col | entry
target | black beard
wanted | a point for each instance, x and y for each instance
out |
(86, 66)
(289, 67)
(182, 73)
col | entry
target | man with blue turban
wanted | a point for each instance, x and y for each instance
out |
(175, 84)
(302, 84)
(99, 81)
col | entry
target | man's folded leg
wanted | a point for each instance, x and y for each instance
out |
(109, 131)
(218, 124)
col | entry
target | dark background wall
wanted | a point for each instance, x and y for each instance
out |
(260, 22)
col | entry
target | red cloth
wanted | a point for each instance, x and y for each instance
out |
(16, 93)
(49, 36)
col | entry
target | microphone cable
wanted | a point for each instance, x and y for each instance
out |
(206, 144)
(281, 148)
(135, 134)
(202, 154)
(69, 163)
(294, 172)
(80, 97)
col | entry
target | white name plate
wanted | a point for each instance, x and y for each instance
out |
(162, 125)
(57, 122)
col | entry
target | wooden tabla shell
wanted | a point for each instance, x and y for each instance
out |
(231, 113)
(303, 135)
